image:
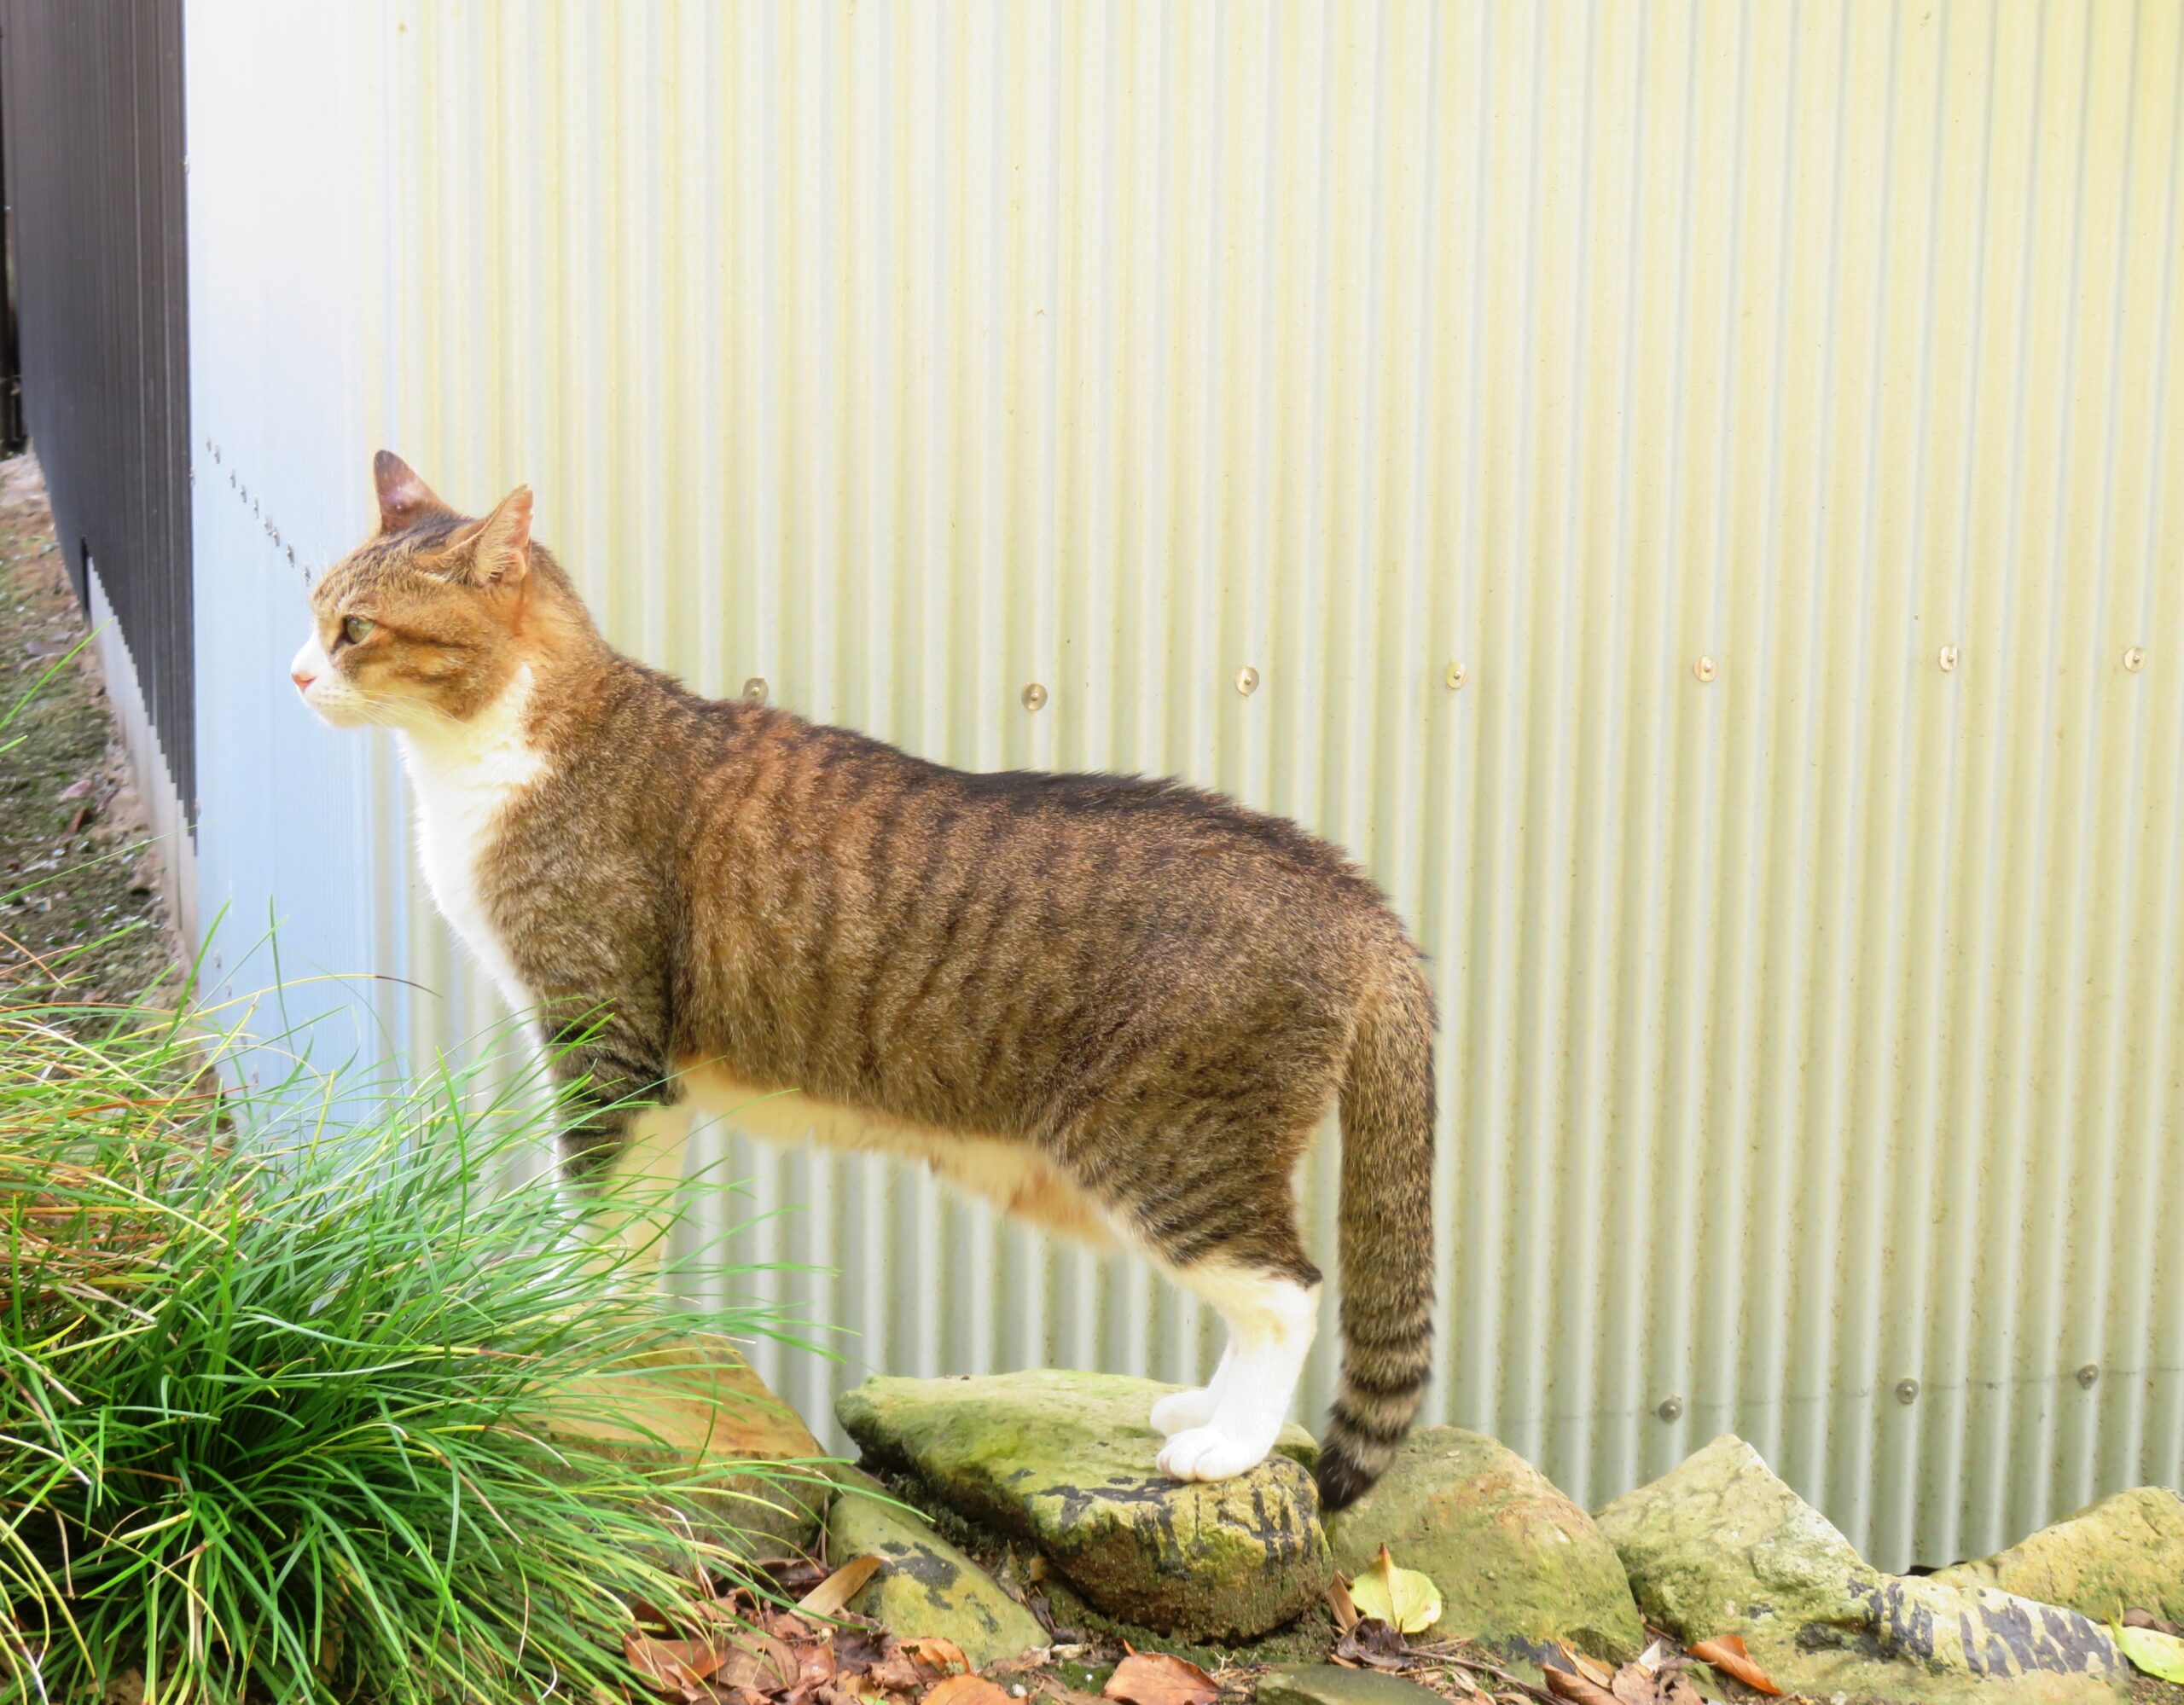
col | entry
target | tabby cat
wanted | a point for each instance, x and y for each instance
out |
(1115, 1006)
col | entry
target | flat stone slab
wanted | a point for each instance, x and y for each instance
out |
(927, 1586)
(702, 1405)
(2124, 1553)
(1327, 1683)
(1066, 1461)
(1519, 1566)
(1721, 1546)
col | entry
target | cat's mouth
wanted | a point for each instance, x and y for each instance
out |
(322, 689)
(338, 709)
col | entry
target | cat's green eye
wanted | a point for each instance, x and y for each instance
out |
(354, 628)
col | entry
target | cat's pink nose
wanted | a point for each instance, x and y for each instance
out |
(303, 681)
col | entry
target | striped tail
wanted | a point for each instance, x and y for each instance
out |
(1387, 1243)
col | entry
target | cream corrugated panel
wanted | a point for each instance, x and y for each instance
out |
(1810, 1029)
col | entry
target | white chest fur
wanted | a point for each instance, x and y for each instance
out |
(464, 776)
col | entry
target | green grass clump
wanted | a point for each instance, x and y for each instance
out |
(269, 1403)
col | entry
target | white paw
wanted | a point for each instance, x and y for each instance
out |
(1209, 1454)
(1182, 1409)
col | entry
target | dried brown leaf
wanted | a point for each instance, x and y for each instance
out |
(677, 1668)
(857, 1649)
(756, 1661)
(968, 1690)
(1727, 1653)
(1566, 1684)
(895, 1673)
(1344, 1606)
(1636, 1685)
(828, 1597)
(1372, 1643)
(1064, 1695)
(937, 1657)
(1157, 1678)
(1598, 1673)
(815, 1664)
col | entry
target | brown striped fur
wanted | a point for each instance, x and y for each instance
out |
(1151, 993)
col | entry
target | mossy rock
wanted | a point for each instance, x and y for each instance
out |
(1721, 1546)
(2124, 1553)
(926, 1585)
(1518, 1565)
(1326, 1684)
(1066, 1461)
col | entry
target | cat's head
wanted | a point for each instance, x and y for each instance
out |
(426, 622)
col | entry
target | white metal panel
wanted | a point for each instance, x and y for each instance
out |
(1809, 1029)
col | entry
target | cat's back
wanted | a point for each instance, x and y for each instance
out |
(810, 790)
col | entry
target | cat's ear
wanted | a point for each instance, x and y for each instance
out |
(495, 551)
(404, 498)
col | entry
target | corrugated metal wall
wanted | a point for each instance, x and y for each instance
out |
(1687, 477)
(92, 104)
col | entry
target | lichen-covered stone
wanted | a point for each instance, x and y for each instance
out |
(927, 1586)
(1519, 1566)
(1327, 1683)
(701, 1405)
(2125, 1552)
(1721, 1546)
(1066, 1461)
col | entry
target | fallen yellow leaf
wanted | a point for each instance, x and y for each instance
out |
(830, 1595)
(2150, 1650)
(1403, 1598)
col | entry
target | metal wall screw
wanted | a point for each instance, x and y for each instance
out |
(1248, 681)
(1034, 696)
(1671, 1409)
(1454, 675)
(1906, 1391)
(1947, 659)
(1704, 669)
(754, 690)
(2135, 659)
(2089, 1375)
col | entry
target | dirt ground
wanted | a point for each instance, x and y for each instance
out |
(80, 921)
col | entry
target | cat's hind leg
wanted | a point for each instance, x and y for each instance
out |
(1179, 1410)
(1207, 1198)
(1271, 1318)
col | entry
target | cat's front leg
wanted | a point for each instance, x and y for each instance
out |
(622, 1145)
(608, 1072)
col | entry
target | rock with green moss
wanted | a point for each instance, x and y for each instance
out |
(1326, 1684)
(1721, 1546)
(2126, 1553)
(926, 1586)
(1066, 1461)
(1518, 1565)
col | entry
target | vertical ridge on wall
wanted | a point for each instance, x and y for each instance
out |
(1813, 1013)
